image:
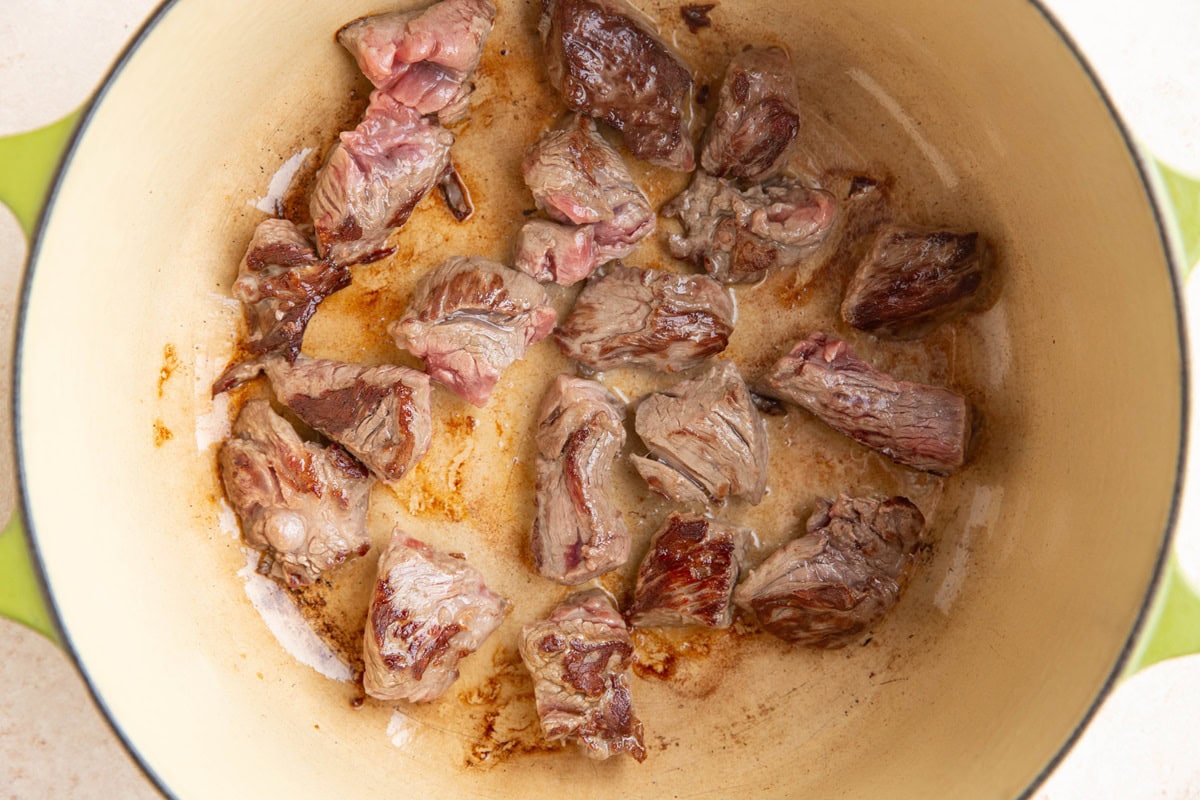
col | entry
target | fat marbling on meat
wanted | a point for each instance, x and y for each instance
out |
(831, 585)
(705, 438)
(579, 658)
(606, 61)
(921, 426)
(380, 414)
(688, 575)
(578, 532)
(280, 282)
(429, 610)
(373, 179)
(914, 278)
(469, 319)
(580, 181)
(424, 59)
(757, 118)
(627, 316)
(737, 235)
(304, 506)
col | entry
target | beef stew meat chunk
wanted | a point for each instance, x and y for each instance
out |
(471, 318)
(579, 179)
(913, 279)
(578, 532)
(429, 610)
(606, 62)
(374, 178)
(280, 282)
(304, 506)
(831, 585)
(687, 577)
(707, 432)
(736, 235)
(380, 414)
(646, 317)
(579, 658)
(424, 59)
(923, 427)
(757, 118)
(551, 251)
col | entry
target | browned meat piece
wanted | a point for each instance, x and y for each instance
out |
(705, 438)
(456, 195)
(646, 317)
(304, 506)
(429, 611)
(579, 658)
(606, 62)
(828, 587)
(380, 414)
(757, 118)
(374, 178)
(471, 318)
(578, 532)
(281, 282)
(696, 16)
(736, 236)
(914, 278)
(688, 576)
(920, 426)
(579, 179)
(424, 59)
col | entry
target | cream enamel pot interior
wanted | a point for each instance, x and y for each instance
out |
(1045, 549)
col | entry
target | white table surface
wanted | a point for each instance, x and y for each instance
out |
(1145, 742)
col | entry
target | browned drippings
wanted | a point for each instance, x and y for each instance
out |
(170, 363)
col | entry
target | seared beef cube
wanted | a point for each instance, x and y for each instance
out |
(912, 279)
(470, 318)
(552, 251)
(646, 317)
(736, 236)
(707, 432)
(281, 282)
(578, 532)
(373, 179)
(380, 414)
(579, 179)
(757, 119)
(429, 611)
(688, 576)
(579, 658)
(424, 59)
(828, 587)
(920, 426)
(304, 506)
(606, 62)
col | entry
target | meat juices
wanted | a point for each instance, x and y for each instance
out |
(579, 658)
(580, 181)
(605, 60)
(374, 178)
(913, 279)
(920, 426)
(705, 438)
(646, 317)
(380, 414)
(578, 533)
(687, 577)
(280, 282)
(736, 235)
(469, 319)
(429, 611)
(304, 506)
(757, 118)
(424, 59)
(829, 586)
